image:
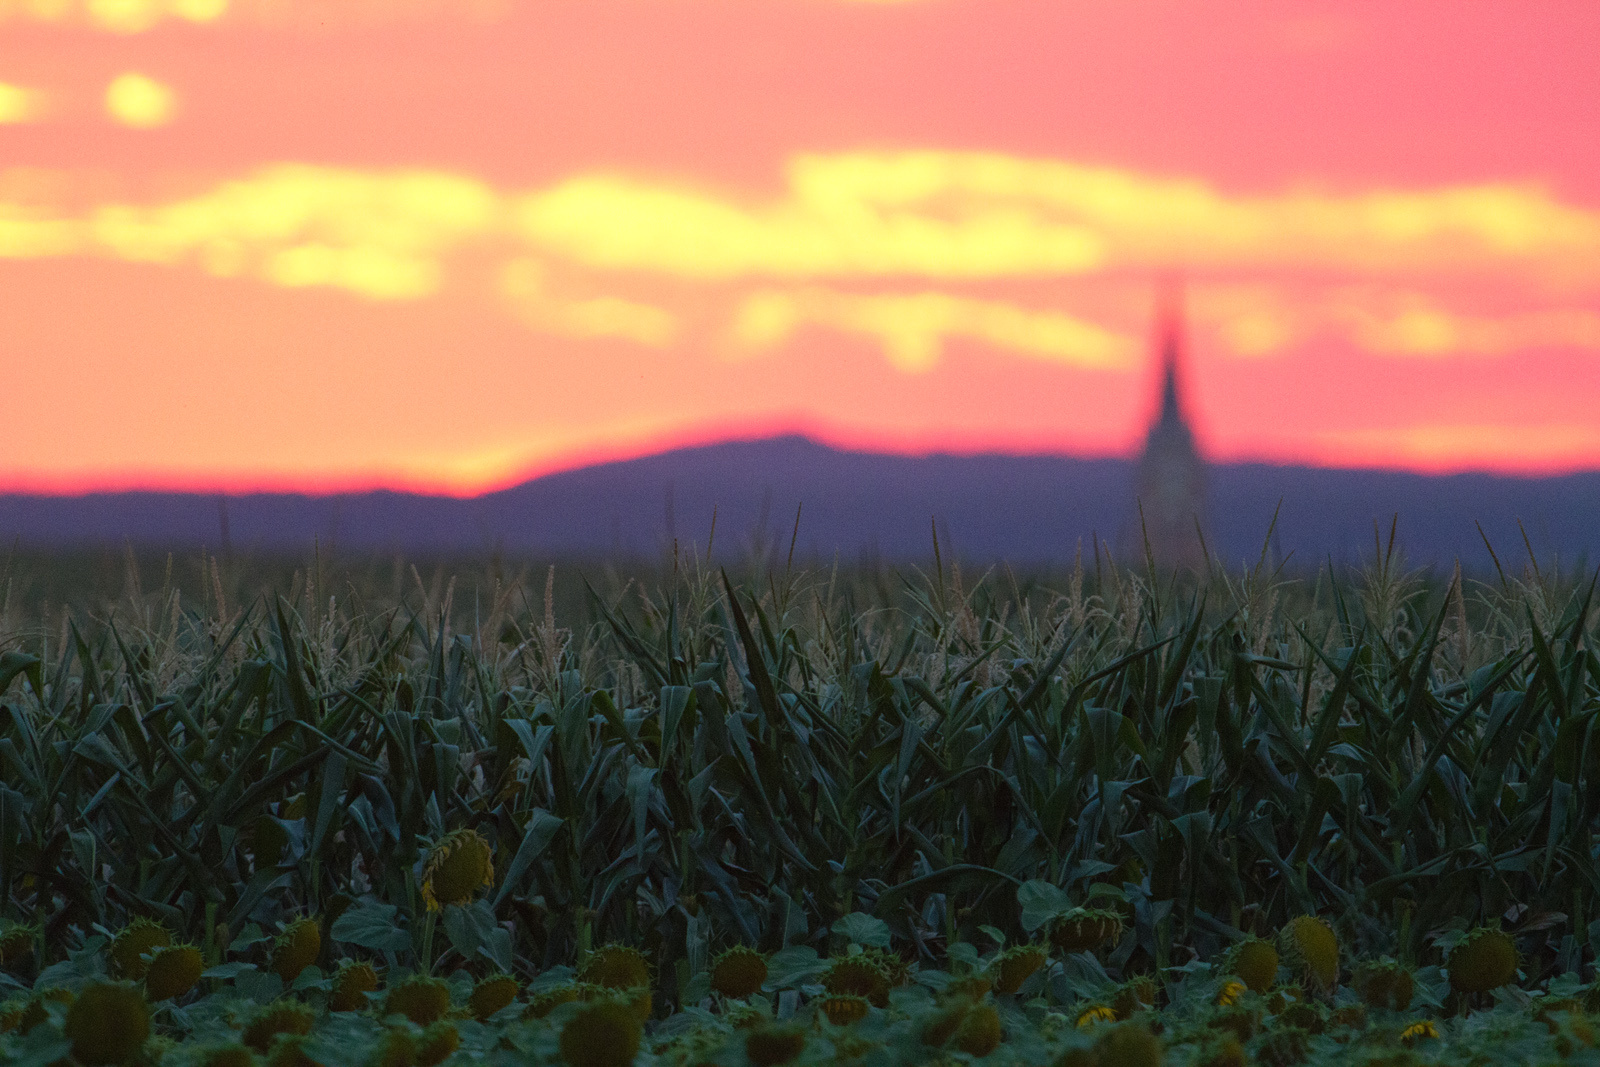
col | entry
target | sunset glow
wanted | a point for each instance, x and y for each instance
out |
(448, 244)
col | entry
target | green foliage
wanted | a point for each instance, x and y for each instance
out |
(876, 790)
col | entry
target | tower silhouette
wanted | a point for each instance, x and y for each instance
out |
(1170, 485)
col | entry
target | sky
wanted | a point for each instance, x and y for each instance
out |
(448, 244)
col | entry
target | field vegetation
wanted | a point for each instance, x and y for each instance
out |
(374, 815)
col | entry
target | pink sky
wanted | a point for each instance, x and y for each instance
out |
(328, 243)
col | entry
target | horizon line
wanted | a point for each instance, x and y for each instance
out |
(842, 440)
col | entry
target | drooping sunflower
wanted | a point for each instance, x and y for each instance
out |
(980, 1032)
(739, 972)
(1084, 929)
(603, 1033)
(436, 1043)
(842, 1009)
(857, 976)
(1016, 965)
(456, 868)
(1254, 962)
(491, 995)
(135, 940)
(173, 971)
(419, 998)
(351, 983)
(616, 967)
(774, 1045)
(16, 942)
(1385, 984)
(296, 949)
(107, 1023)
(1129, 1045)
(279, 1017)
(1483, 960)
(1312, 949)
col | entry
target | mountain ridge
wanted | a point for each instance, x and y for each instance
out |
(1025, 509)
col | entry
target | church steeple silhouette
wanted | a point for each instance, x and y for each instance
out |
(1171, 475)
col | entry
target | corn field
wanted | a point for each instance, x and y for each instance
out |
(785, 759)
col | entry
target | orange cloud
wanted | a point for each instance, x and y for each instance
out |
(1464, 446)
(19, 104)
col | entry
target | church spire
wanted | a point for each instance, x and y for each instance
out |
(1170, 486)
(1170, 319)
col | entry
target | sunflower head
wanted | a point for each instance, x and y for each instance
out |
(296, 948)
(173, 971)
(419, 998)
(1135, 995)
(1254, 962)
(979, 1032)
(351, 983)
(858, 976)
(1223, 1051)
(1547, 1008)
(739, 972)
(605, 1032)
(893, 966)
(279, 1017)
(1419, 1031)
(548, 1000)
(456, 868)
(1094, 1015)
(289, 1050)
(1349, 1017)
(135, 940)
(436, 1043)
(616, 967)
(1016, 965)
(1129, 1045)
(1230, 993)
(1385, 985)
(107, 1023)
(1312, 949)
(774, 1045)
(944, 1022)
(396, 1048)
(842, 1009)
(1242, 1023)
(1084, 929)
(1483, 960)
(16, 942)
(228, 1054)
(1283, 1046)
(491, 995)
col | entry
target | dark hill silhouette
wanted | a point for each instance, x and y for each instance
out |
(1026, 509)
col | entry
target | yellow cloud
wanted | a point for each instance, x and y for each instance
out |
(825, 229)
(18, 104)
(379, 234)
(524, 282)
(913, 328)
(1259, 320)
(1428, 331)
(1297, 264)
(140, 101)
(954, 215)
